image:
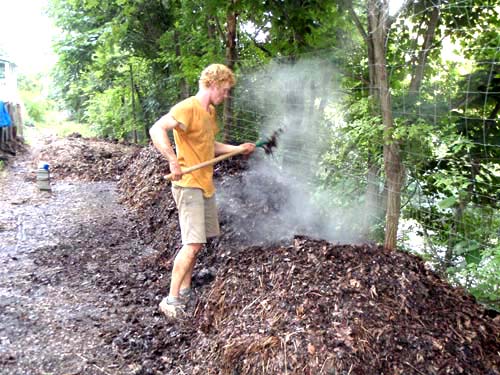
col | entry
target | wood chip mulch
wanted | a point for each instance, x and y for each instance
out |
(310, 307)
(300, 306)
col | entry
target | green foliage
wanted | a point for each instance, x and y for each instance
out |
(482, 277)
(355, 144)
(55, 123)
(122, 64)
(176, 39)
(36, 110)
(36, 101)
(105, 112)
(458, 180)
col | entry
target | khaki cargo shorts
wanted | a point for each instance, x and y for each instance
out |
(197, 215)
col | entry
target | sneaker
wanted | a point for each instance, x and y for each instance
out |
(172, 307)
(185, 295)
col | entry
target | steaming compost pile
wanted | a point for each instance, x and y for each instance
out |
(250, 205)
(144, 188)
(304, 306)
(292, 305)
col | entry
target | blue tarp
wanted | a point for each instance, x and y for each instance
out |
(4, 115)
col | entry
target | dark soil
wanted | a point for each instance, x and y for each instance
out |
(85, 266)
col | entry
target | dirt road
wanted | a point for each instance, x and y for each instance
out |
(62, 257)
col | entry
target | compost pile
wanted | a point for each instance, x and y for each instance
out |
(298, 306)
(89, 159)
(316, 308)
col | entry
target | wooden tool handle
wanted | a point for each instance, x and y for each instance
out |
(208, 162)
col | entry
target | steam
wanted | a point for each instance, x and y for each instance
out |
(280, 194)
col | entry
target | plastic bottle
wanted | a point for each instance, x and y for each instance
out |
(43, 176)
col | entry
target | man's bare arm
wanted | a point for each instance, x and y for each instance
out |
(159, 136)
(223, 148)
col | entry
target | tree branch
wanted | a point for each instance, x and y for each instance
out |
(357, 22)
(257, 44)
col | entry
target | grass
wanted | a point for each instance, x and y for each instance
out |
(55, 124)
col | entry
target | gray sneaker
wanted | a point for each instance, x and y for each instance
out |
(172, 307)
(185, 295)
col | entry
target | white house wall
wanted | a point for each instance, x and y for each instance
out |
(8, 84)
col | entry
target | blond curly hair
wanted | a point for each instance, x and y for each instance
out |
(217, 74)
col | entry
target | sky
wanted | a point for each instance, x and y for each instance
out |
(26, 34)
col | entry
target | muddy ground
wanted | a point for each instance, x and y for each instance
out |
(60, 311)
(84, 267)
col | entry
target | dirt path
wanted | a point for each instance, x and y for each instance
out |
(62, 256)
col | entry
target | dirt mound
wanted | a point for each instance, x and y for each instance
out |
(294, 306)
(88, 159)
(307, 308)
(316, 308)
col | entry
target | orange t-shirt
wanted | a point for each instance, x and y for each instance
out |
(195, 143)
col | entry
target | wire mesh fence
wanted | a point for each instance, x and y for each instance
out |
(449, 137)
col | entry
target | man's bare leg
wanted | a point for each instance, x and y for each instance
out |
(183, 268)
(186, 281)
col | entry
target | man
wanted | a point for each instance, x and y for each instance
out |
(194, 125)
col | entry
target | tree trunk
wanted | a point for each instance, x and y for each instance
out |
(377, 14)
(211, 24)
(231, 55)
